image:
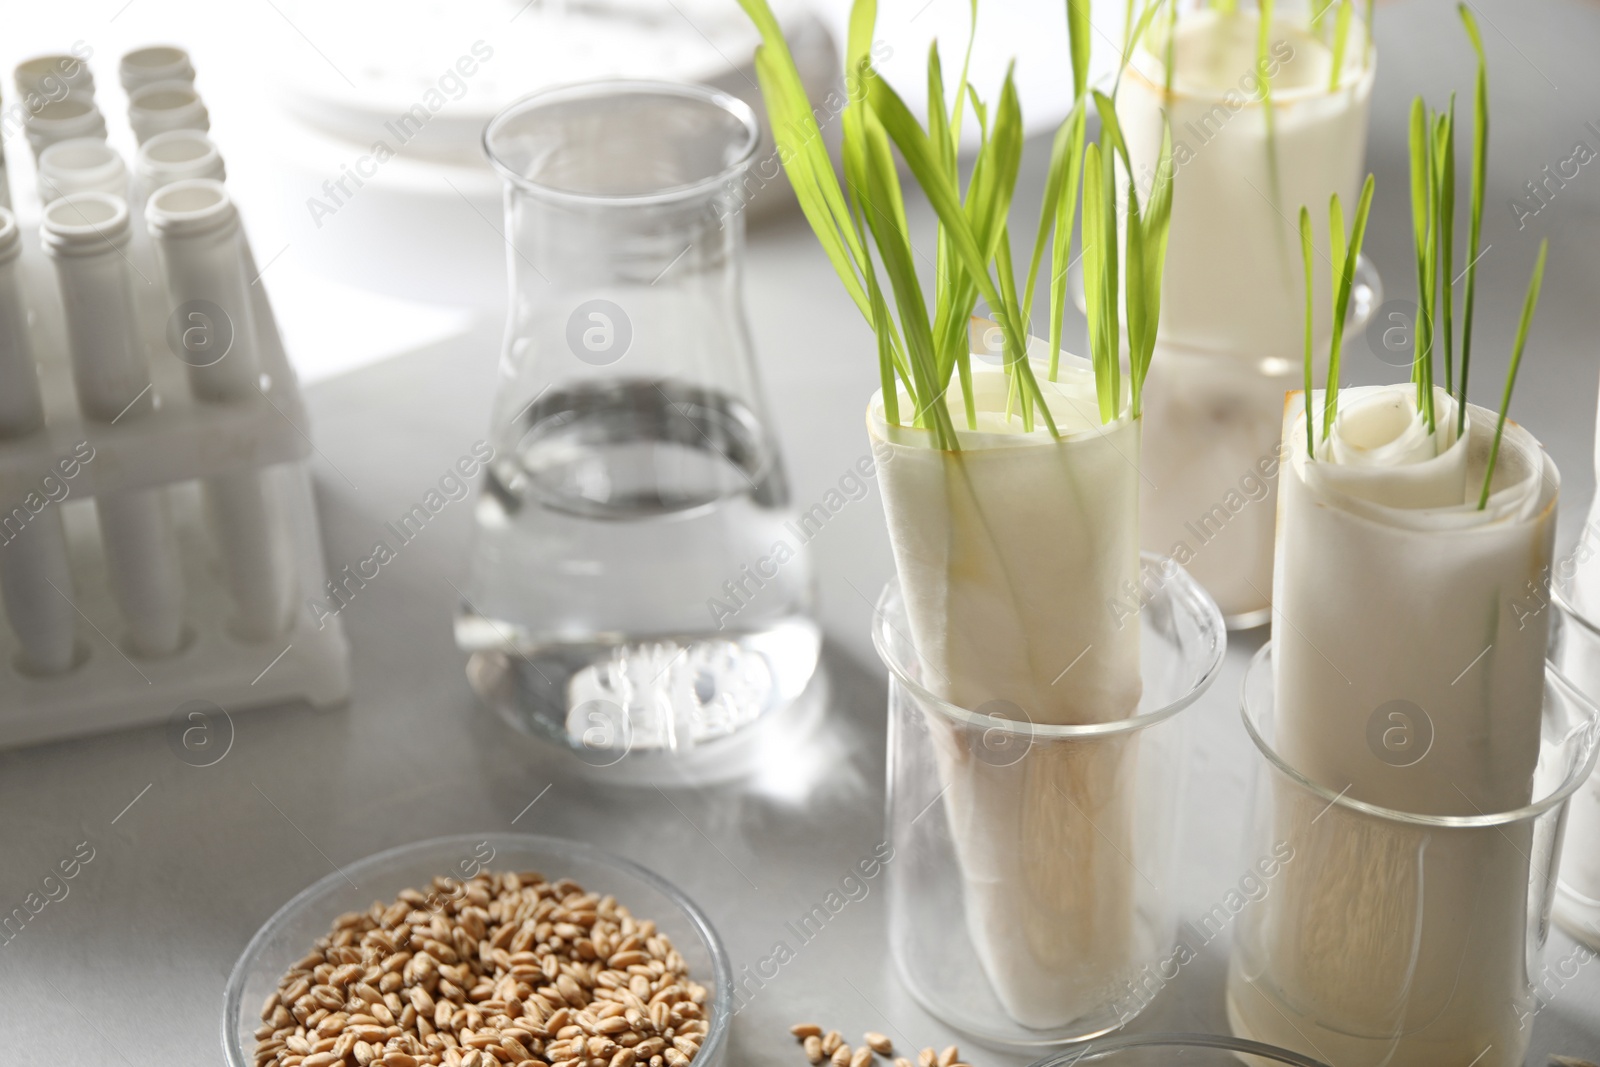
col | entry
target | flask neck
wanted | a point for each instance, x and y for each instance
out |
(623, 184)
(581, 247)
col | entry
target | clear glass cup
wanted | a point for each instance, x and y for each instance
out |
(1030, 901)
(1386, 939)
(1176, 1050)
(1575, 650)
(1258, 128)
(637, 581)
(1209, 458)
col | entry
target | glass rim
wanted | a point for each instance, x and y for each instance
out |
(720, 1009)
(729, 104)
(1353, 80)
(1574, 779)
(1192, 593)
(1220, 1042)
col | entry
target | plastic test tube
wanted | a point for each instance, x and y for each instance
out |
(196, 231)
(154, 63)
(180, 154)
(35, 578)
(81, 165)
(63, 120)
(176, 155)
(53, 77)
(162, 106)
(84, 234)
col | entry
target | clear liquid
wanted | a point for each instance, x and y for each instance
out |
(636, 582)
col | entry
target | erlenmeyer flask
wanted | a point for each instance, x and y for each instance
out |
(636, 582)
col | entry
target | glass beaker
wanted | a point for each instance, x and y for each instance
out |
(1213, 437)
(1575, 649)
(1026, 899)
(636, 582)
(1388, 939)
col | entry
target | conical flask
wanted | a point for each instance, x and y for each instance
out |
(638, 582)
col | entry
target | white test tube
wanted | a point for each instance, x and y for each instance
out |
(21, 408)
(45, 79)
(181, 154)
(53, 77)
(85, 235)
(163, 106)
(63, 120)
(35, 577)
(81, 165)
(196, 231)
(154, 63)
(176, 155)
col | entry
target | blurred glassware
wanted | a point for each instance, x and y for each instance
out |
(638, 580)
(1575, 650)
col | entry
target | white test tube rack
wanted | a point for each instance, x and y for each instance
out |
(187, 449)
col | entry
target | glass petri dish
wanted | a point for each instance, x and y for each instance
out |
(1183, 1050)
(290, 933)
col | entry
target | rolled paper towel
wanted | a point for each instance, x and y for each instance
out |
(1405, 679)
(1010, 552)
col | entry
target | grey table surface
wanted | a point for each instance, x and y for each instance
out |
(190, 861)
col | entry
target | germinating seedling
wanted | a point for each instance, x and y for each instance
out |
(1410, 524)
(1011, 495)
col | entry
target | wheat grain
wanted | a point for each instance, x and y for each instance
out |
(832, 1048)
(506, 968)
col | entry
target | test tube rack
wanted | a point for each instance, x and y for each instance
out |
(180, 441)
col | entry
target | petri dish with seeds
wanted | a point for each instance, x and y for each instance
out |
(477, 950)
